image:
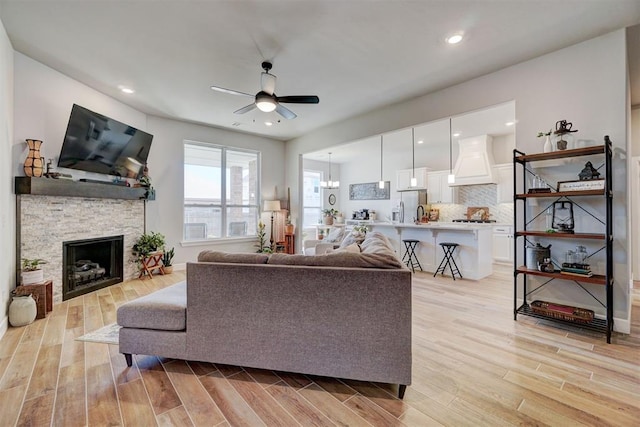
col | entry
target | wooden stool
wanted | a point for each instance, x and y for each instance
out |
(448, 249)
(409, 257)
(152, 262)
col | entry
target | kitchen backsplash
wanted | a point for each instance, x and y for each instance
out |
(477, 195)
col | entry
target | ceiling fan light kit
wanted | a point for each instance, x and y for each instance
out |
(266, 100)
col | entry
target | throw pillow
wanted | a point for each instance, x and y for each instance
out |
(335, 235)
(352, 238)
(353, 248)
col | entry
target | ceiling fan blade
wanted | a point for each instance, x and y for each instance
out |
(299, 99)
(246, 109)
(285, 112)
(268, 83)
(230, 91)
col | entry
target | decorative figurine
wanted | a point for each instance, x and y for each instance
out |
(589, 172)
(562, 134)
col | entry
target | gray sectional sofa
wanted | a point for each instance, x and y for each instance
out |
(344, 315)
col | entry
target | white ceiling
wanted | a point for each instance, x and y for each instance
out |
(356, 55)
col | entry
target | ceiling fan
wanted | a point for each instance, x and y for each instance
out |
(266, 100)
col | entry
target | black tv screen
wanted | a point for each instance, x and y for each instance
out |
(96, 143)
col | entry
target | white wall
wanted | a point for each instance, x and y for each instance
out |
(584, 83)
(43, 101)
(165, 214)
(7, 198)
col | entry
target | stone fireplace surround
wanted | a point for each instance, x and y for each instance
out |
(44, 222)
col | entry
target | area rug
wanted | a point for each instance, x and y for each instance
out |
(105, 335)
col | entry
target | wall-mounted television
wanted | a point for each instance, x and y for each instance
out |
(96, 143)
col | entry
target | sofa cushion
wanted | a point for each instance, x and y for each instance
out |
(165, 310)
(354, 248)
(243, 258)
(376, 242)
(335, 235)
(351, 238)
(340, 259)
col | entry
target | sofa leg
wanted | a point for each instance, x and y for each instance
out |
(128, 358)
(401, 389)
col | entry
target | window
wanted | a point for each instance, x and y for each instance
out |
(217, 204)
(312, 202)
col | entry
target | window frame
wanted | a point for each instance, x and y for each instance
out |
(224, 206)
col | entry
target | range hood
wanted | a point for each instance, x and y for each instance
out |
(475, 161)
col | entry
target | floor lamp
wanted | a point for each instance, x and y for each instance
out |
(271, 206)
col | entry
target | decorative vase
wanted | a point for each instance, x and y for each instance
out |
(548, 147)
(327, 220)
(288, 228)
(34, 163)
(31, 277)
(22, 310)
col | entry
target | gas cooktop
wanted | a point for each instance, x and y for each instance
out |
(475, 220)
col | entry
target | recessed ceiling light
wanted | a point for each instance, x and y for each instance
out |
(127, 90)
(454, 39)
(456, 134)
(420, 141)
(268, 123)
(509, 124)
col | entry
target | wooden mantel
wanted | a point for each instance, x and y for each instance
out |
(68, 188)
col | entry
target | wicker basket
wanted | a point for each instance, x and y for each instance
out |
(562, 312)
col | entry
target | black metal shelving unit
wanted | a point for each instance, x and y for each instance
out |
(520, 159)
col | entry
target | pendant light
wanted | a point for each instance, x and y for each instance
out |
(414, 181)
(330, 185)
(381, 182)
(451, 178)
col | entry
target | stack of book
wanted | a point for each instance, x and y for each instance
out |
(573, 269)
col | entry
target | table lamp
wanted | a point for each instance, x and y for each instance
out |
(271, 206)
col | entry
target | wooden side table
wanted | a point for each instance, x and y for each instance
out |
(43, 293)
(289, 243)
(152, 262)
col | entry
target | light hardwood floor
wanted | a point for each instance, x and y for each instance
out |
(472, 365)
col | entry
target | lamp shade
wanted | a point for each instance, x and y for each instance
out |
(271, 205)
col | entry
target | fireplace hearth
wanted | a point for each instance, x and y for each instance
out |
(91, 264)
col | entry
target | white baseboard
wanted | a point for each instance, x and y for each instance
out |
(622, 325)
(4, 326)
(180, 267)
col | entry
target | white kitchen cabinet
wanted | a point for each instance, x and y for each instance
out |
(504, 177)
(503, 244)
(403, 179)
(438, 188)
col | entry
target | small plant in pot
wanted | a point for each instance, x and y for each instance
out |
(328, 216)
(146, 245)
(31, 271)
(167, 259)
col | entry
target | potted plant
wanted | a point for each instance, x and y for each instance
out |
(148, 244)
(262, 245)
(328, 216)
(31, 271)
(167, 259)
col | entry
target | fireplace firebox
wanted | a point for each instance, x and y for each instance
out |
(91, 264)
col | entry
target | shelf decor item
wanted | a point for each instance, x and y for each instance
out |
(34, 163)
(563, 217)
(593, 184)
(562, 135)
(547, 147)
(562, 312)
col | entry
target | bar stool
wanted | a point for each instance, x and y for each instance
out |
(409, 257)
(449, 249)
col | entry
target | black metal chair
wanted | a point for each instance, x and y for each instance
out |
(449, 249)
(409, 257)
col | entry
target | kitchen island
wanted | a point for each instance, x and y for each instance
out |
(473, 256)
